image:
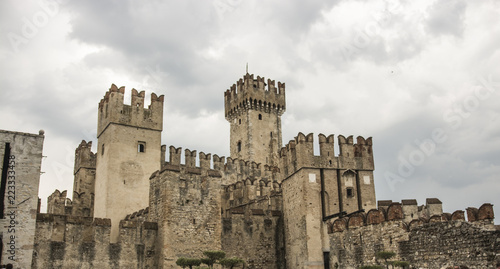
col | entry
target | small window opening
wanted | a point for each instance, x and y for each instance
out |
(194, 221)
(239, 146)
(255, 86)
(330, 162)
(102, 149)
(141, 147)
(260, 116)
(350, 192)
(239, 121)
(271, 134)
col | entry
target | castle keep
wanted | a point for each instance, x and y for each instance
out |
(273, 205)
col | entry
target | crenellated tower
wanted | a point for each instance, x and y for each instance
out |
(254, 108)
(84, 181)
(128, 152)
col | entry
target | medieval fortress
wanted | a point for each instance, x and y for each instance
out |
(273, 205)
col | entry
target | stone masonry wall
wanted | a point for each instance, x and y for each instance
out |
(256, 236)
(20, 162)
(437, 242)
(83, 242)
(185, 200)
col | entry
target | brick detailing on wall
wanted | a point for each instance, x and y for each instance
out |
(434, 242)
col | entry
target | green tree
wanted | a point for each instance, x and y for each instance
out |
(188, 262)
(371, 267)
(230, 262)
(402, 264)
(385, 255)
(212, 256)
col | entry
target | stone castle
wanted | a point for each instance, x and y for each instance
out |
(274, 206)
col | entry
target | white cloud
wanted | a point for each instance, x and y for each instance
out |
(386, 69)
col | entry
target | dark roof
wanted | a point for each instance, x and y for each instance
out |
(384, 202)
(409, 202)
(432, 201)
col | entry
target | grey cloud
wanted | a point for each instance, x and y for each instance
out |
(447, 17)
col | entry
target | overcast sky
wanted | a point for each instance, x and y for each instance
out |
(417, 76)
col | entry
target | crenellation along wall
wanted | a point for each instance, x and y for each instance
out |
(436, 242)
(252, 93)
(84, 242)
(59, 204)
(231, 170)
(113, 110)
(299, 153)
(255, 194)
(256, 236)
(185, 201)
(411, 210)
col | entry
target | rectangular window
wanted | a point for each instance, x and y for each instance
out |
(326, 260)
(350, 192)
(141, 146)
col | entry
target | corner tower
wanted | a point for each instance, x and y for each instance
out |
(128, 152)
(254, 109)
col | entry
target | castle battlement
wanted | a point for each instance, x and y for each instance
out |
(61, 238)
(299, 153)
(396, 212)
(84, 157)
(113, 110)
(59, 230)
(56, 202)
(252, 192)
(232, 170)
(250, 93)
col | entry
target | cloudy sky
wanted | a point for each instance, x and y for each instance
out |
(418, 76)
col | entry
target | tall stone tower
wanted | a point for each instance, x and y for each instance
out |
(84, 182)
(254, 112)
(129, 149)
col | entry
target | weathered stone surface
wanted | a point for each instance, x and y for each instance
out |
(272, 206)
(20, 162)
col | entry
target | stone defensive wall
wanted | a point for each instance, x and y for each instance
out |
(113, 110)
(83, 242)
(185, 201)
(256, 194)
(230, 170)
(59, 204)
(437, 241)
(255, 235)
(250, 93)
(299, 153)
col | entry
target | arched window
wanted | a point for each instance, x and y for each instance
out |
(260, 116)
(141, 147)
